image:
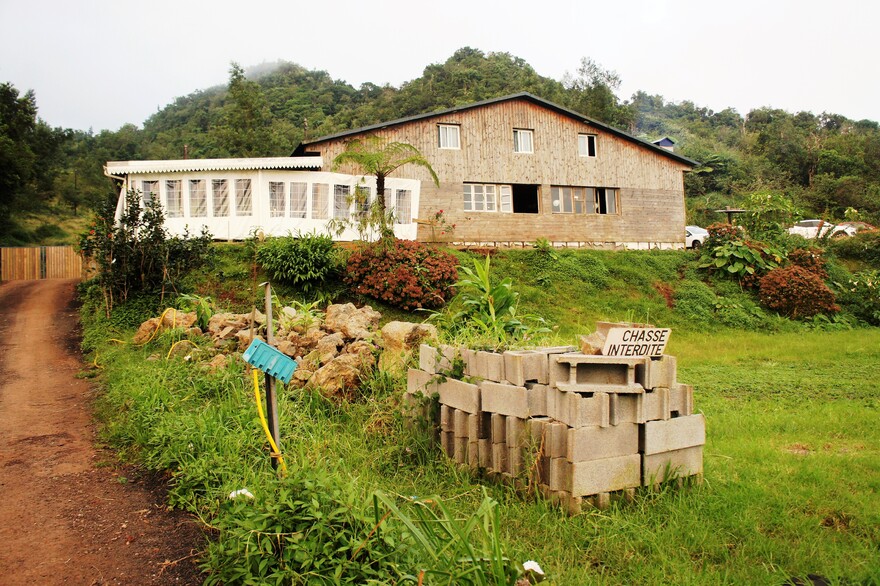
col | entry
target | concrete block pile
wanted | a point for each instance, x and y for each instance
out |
(581, 426)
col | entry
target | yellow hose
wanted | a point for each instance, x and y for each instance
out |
(170, 350)
(159, 325)
(276, 453)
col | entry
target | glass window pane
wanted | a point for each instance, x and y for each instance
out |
(198, 198)
(220, 197)
(298, 200)
(243, 199)
(490, 198)
(468, 198)
(506, 193)
(150, 190)
(403, 207)
(277, 199)
(341, 201)
(590, 200)
(320, 192)
(173, 199)
(611, 200)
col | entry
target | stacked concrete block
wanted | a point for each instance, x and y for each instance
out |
(579, 426)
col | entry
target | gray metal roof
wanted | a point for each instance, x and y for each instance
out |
(301, 149)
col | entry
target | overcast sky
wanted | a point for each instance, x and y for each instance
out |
(100, 64)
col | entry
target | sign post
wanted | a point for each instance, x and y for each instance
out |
(636, 342)
(271, 397)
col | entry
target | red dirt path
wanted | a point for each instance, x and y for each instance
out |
(68, 515)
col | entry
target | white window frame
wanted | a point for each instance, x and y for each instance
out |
(584, 143)
(173, 198)
(198, 198)
(505, 199)
(487, 197)
(149, 190)
(299, 199)
(244, 198)
(320, 201)
(449, 136)
(219, 198)
(523, 141)
(403, 206)
(342, 201)
(277, 199)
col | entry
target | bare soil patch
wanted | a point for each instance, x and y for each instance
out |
(68, 514)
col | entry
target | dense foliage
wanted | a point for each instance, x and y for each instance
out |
(136, 254)
(796, 292)
(307, 261)
(402, 273)
(860, 295)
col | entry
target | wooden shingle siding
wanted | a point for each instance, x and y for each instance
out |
(651, 191)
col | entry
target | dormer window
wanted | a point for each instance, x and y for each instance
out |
(522, 141)
(449, 136)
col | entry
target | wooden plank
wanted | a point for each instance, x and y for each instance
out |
(26, 263)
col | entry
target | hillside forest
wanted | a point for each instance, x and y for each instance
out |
(795, 164)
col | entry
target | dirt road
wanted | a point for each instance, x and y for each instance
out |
(68, 514)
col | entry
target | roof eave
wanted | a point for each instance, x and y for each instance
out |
(195, 165)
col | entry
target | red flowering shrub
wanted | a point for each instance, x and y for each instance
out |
(796, 292)
(403, 273)
(810, 259)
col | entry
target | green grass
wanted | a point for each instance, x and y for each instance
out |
(792, 460)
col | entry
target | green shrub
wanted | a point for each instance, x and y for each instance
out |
(864, 247)
(860, 295)
(695, 301)
(486, 311)
(729, 254)
(402, 273)
(582, 266)
(796, 292)
(308, 529)
(306, 262)
(136, 254)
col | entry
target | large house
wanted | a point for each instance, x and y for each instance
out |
(511, 169)
(518, 168)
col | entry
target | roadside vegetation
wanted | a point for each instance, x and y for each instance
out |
(791, 463)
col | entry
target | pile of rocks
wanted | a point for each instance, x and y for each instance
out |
(334, 349)
(579, 425)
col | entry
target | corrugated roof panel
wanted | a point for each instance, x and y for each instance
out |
(189, 165)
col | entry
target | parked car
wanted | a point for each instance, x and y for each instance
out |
(694, 236)
(817, 228)
(860, 226)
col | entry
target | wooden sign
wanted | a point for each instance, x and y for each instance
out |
(636, 342)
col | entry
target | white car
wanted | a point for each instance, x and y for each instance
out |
(818, 228)
(694, 236)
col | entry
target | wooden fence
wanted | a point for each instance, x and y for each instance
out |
(40, 262)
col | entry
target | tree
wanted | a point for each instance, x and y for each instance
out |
(246, 127)
(593, 94)
(380, 158)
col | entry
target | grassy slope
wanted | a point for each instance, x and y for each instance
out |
(55, 225)
(792, 463)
